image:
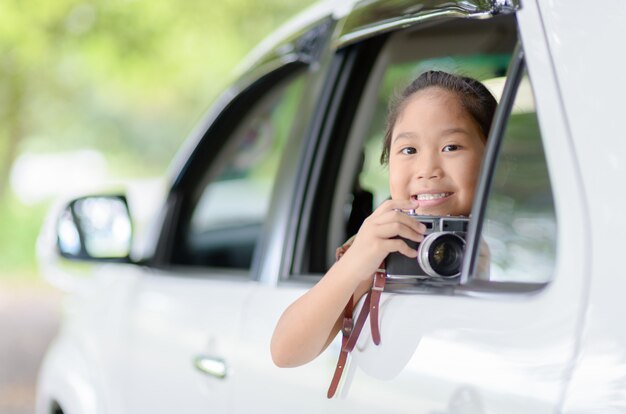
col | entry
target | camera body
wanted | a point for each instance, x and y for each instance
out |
(440, 254)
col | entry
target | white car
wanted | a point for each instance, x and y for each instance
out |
(178, 317)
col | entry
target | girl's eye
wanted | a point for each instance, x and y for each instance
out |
(408, 150)
(450, 147)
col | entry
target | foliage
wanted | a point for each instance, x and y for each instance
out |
(129, 78)
(121, 75)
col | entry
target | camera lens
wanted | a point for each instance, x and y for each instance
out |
(441, 254)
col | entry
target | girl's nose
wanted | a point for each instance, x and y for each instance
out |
(428, 167)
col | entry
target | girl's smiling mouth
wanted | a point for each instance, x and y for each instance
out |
(430, 199)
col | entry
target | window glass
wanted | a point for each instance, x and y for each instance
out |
(226, 221)
(520, 222)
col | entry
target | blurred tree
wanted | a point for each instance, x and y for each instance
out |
(127, 77)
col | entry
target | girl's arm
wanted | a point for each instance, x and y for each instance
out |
(309, 324)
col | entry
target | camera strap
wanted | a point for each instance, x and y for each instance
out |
(350, 331)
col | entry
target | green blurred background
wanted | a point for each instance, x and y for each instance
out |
(91, 92)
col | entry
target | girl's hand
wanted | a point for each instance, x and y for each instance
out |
(310, 323)
(378, 236)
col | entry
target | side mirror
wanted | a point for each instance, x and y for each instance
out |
(95, 228)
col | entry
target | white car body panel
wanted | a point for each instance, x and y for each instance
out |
(182, 318)
(599, 377)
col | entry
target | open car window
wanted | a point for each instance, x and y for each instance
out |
(518, 250)
(478, 48)
(519, 230)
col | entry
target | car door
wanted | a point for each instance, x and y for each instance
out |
(182, 311)
(504, 337)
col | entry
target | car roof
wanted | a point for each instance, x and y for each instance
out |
(360, 19)
(293, 28)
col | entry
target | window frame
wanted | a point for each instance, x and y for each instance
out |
(299, 271)
(467, 284)
(235, 103)
(344, 88)
(304, 49)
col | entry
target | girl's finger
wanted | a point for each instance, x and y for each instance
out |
(399, 217)
(400, 246)
(391, 205)
(395, 229)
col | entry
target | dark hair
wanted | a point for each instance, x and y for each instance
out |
(475, 98)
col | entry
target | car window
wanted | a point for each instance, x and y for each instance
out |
(479, 49)
(519, 226)
(519, 231)
(226, 220)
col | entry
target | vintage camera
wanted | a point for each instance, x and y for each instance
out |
(439, 255)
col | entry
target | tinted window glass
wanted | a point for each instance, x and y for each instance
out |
(226, 222)
(520, 221)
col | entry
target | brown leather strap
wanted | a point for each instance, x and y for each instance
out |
(377, 289)
(360, 322)
(351, 331)
(346, 331)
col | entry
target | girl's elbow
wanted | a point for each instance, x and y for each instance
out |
(280, 356)
(279, 360)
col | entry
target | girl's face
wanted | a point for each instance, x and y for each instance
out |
(435, 154)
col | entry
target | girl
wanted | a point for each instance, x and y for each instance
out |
(433, 147)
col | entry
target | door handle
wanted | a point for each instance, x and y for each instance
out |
(213, 366)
